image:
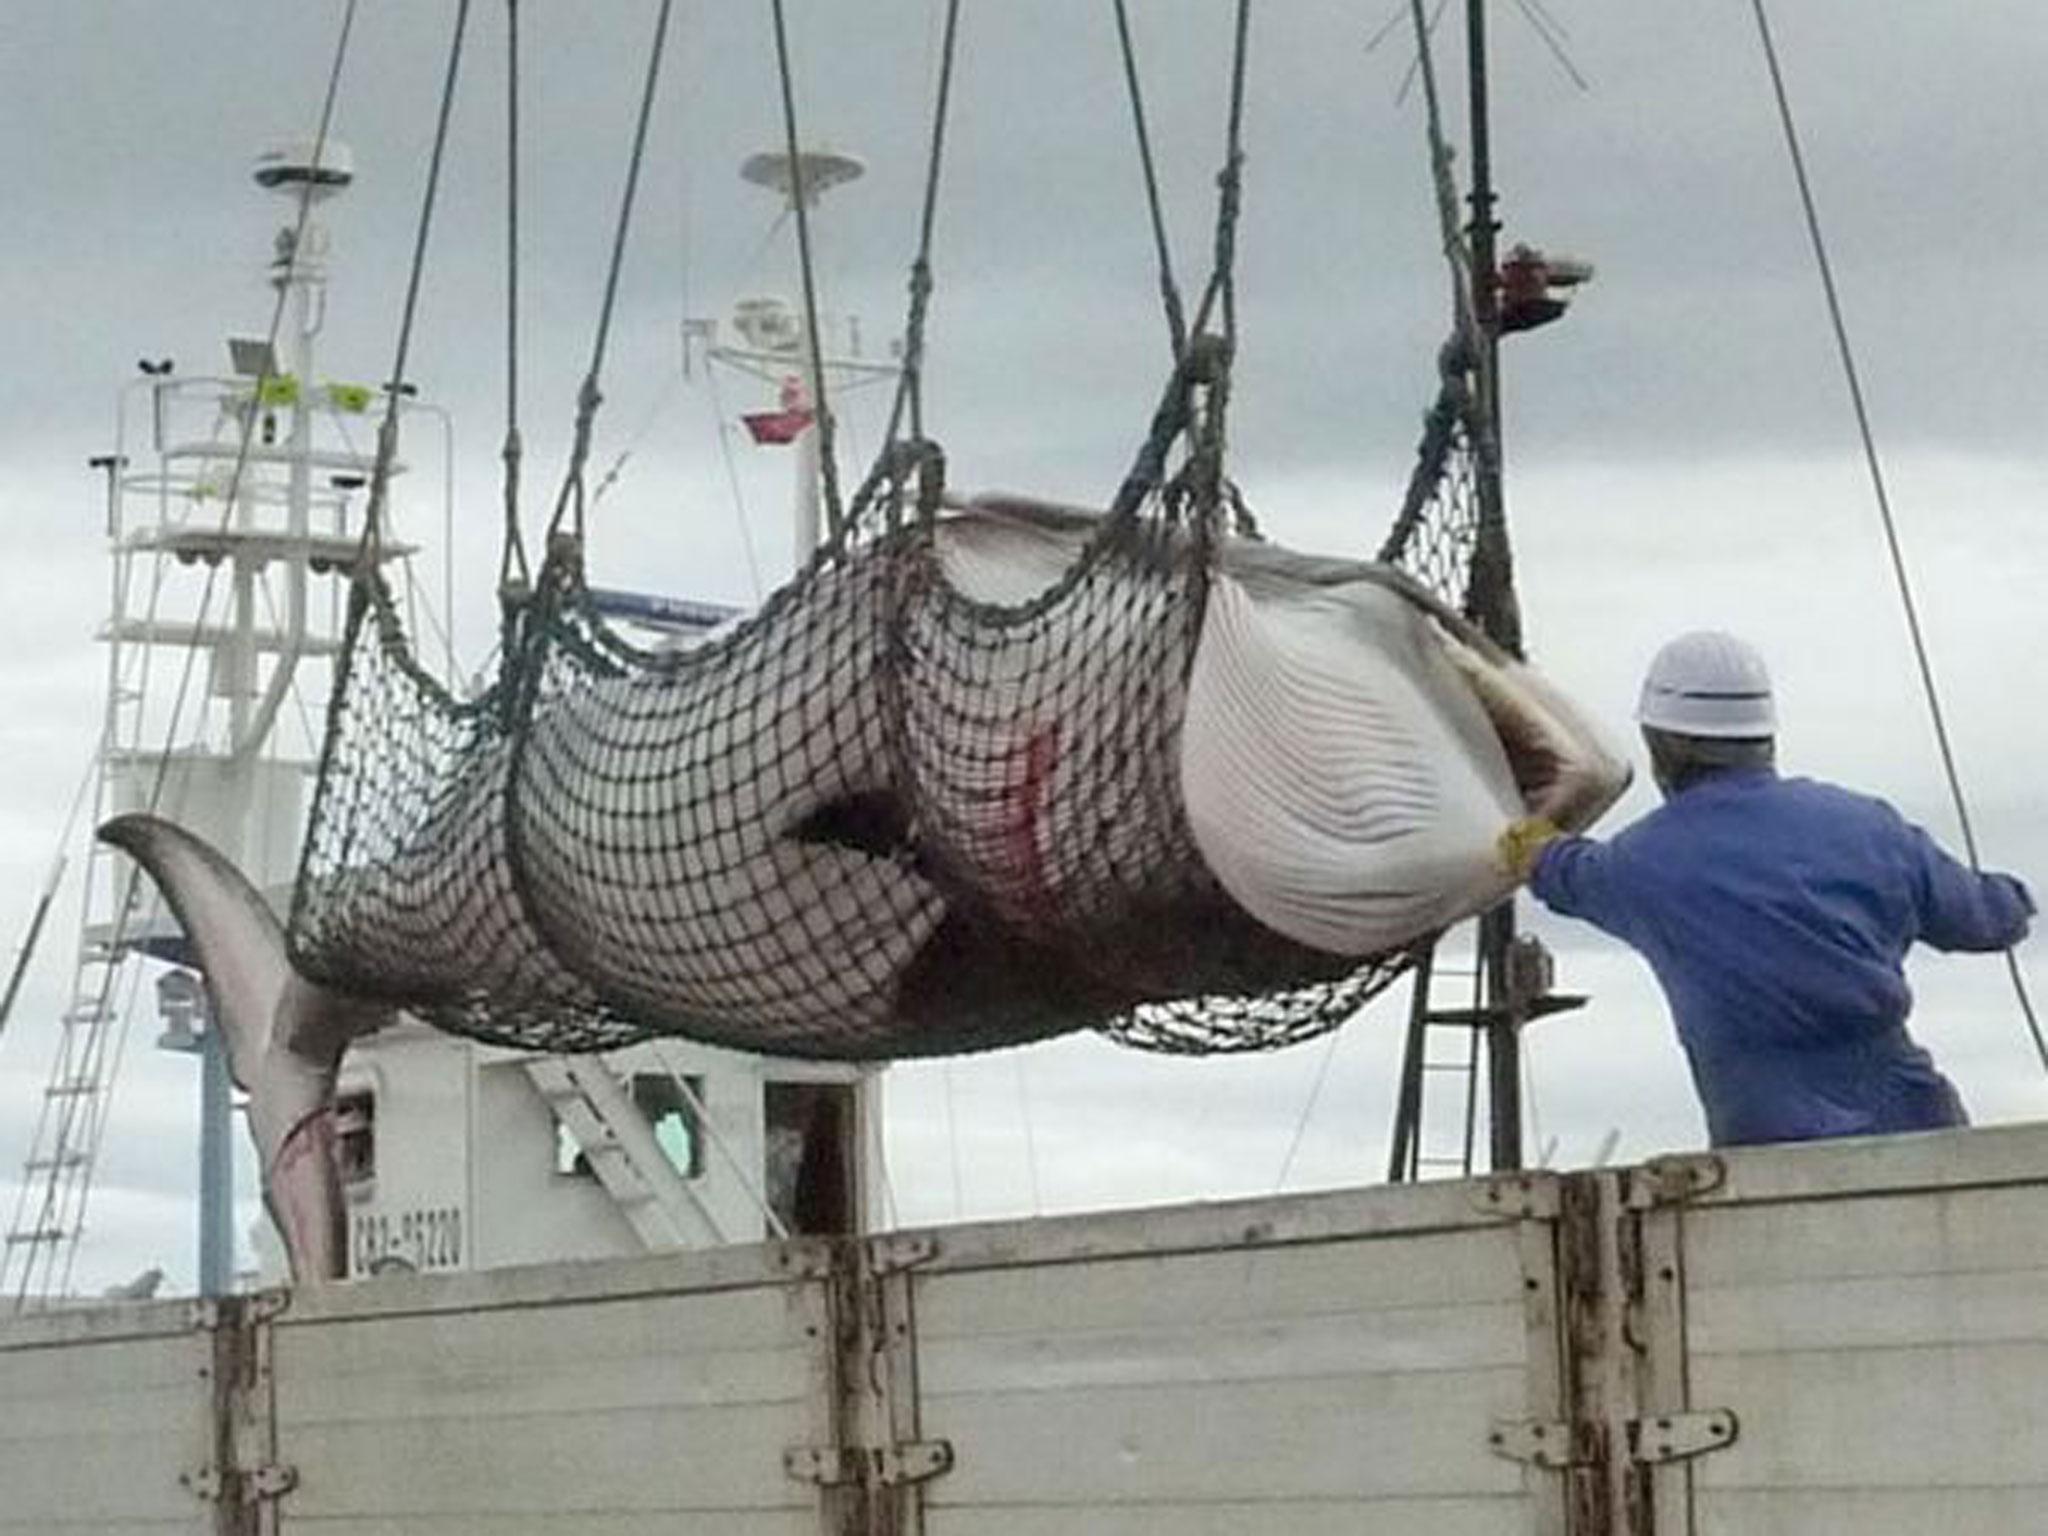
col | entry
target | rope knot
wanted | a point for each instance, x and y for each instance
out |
(1208, 358)
(565, 551)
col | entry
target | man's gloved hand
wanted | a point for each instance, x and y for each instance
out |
(1517, 850)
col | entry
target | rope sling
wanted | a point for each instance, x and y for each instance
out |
(910, 807)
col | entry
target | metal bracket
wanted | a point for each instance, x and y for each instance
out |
(888, 1466)
(1546, 1443)
(203, 1483)
(262, 1306)
(271, 1481)
(1675, 1179)
(912, 1463)
(825, 1465)
(1676, 1436)
(1518, 1196)
(894, 1254)
(804, 1258)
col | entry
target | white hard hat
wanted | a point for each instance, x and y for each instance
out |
(1708, 684)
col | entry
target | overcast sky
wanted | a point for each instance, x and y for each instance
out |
(1680, 451)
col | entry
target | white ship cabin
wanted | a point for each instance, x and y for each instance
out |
(457, 1156)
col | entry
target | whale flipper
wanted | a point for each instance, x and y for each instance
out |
(284, 1035)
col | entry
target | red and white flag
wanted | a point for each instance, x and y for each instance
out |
(786, 425)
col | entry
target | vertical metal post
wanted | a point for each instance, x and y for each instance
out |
(1505, 1017)
(216, 1166)
(1491, 592)
(1492, 588)
(1404, 1153)
(810, 468)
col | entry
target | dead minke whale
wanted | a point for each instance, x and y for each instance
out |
(1001, 785)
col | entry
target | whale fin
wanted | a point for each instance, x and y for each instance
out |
(238, 939)
(284, 1034)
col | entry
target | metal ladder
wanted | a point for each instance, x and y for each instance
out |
(586, 1095)
(117, 909)
(49, 1212)
(1507, 985)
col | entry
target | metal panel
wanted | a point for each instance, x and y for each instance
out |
(1876, 1313)
(1308, 1365)
(595, 1398)
(105, 1411)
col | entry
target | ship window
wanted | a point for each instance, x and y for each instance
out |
(355, 1137)
(667, 1103)
(569, 1159)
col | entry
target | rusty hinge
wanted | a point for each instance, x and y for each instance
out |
(887, 1466)
(1674, 1180)
(1665, 1437)
(1676, 1436)
(1550, 1443)
(1518, 1196)
(269, 1481)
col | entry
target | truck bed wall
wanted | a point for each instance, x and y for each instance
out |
(1831, 1339)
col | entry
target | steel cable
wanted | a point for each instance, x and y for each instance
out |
(1901, 576)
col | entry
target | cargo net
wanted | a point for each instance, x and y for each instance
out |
(895, 813)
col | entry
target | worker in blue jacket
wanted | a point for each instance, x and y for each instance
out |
(1775, 912)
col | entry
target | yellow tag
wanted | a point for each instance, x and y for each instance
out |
(353, 398)
(1522, 842)
(279, 389)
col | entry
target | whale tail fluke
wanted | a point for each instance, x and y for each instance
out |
(284, 1035)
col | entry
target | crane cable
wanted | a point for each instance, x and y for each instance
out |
(1884, 505)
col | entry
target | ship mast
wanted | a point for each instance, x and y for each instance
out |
(1511, 977)
(1492, 587)
(226, 502)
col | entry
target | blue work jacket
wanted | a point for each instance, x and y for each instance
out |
(1776, 914)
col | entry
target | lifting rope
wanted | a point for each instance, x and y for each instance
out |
(1894, 549)
(799, 196)
(921, 270)
(896, 457)
(1457, 253)
(515, 577)
(1439, 548)
(1169, 290)
(822, 832)
(588, 397)
(387, 429)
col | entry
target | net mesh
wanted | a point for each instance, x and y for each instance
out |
(889, 815)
